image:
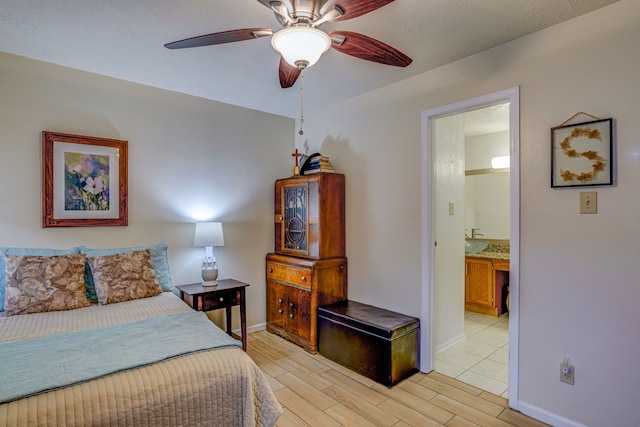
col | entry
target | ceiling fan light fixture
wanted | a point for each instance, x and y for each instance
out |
(301, 46)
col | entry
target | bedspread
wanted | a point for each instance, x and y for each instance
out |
(55, 361)
(221, 387)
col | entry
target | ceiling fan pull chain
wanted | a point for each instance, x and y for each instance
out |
(301, 132)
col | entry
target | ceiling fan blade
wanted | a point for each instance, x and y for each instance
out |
(220, 38)
(288, 74)
(354, 8)
(365, 47)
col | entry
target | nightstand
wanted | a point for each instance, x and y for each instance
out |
(226, 294)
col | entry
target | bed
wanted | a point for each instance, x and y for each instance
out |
(182, 378)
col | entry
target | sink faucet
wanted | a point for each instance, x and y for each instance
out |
(474, 233)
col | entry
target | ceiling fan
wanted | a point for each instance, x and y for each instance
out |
(301, 42)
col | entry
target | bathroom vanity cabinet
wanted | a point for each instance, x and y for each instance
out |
(484, 282)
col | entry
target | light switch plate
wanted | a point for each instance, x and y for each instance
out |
(588, 202)
(450, 208)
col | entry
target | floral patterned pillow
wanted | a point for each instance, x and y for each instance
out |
(124, 277)
(36, 284)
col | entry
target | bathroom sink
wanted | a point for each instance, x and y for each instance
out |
(473, 246)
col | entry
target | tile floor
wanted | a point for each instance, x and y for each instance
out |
(482, 358)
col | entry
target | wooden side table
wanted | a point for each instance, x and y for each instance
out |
(226, 294)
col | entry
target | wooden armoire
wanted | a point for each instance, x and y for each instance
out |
(308, 267)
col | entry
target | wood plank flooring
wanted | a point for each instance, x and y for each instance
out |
(315, 391)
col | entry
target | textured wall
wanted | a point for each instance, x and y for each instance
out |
(189, 160)
(578, 273)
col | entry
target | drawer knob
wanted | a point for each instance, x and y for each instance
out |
(221, 299)
(280, 300)
(271, 270)
(291, 304)
(303, 278)
(280, 311)
(291, 316)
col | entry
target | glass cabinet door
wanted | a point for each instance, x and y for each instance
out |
(295, 213)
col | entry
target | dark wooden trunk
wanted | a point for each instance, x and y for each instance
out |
(377, 343)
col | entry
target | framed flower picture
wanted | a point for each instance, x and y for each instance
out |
(581, 154)
(84, 181)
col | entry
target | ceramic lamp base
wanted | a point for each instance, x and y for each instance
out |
(210, 284)
(210, 275)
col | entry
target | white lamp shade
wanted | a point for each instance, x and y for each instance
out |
(301, 44)
(208, 234)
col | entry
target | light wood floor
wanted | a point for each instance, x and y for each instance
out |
(315, 391)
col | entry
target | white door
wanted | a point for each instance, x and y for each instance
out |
(448, 212)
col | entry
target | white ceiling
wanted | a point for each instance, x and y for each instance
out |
(125, 38)
(486, 120)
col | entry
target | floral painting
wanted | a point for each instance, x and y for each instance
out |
(86, 182)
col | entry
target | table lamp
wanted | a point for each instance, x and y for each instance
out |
(209, 234)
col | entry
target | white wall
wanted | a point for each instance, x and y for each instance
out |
(579, 283)
(189, 160)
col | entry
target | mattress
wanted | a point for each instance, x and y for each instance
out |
(221, 387)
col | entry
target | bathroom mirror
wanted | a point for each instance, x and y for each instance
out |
(487, 201)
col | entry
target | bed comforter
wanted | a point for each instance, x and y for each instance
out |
(221, 387)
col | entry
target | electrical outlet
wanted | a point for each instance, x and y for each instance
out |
(567, 371)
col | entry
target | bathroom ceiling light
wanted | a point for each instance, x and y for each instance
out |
(500, 162)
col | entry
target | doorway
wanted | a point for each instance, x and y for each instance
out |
(443, 219)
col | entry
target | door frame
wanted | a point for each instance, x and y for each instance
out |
(512, 96)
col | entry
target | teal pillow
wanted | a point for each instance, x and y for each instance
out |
(27, 251)
(158, 259)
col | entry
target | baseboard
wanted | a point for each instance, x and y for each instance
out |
(256, 328)
(451, 342)
(251, 329)
(546, 416)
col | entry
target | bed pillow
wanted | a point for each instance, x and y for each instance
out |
(27, 251)
(124, 277)
(158, 258)
(36, 284)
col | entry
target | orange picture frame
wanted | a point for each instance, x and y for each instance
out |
(84, 181)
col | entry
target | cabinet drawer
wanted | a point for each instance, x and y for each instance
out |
(220, 299)
(294, 275)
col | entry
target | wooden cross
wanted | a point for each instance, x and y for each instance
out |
(296, 154)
